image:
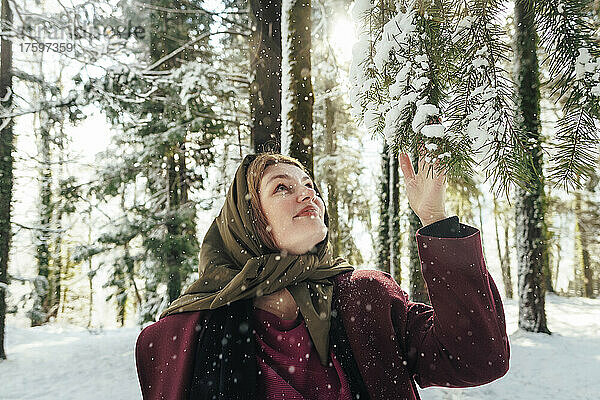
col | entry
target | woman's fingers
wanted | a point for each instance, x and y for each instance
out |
(426, 170)
(442, 174)
(421, 162)
(439, 172)
(406, 167)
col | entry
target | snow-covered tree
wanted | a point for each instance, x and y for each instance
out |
(337, 147)
(171, 104)
(6, 161)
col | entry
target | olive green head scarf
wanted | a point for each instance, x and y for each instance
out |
(235, 265)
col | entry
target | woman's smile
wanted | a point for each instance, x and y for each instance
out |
(308, 211)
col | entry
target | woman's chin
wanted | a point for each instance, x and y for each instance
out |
(318, 238)
(303, 236)
(306, 244)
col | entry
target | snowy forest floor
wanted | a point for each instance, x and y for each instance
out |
(67, 362)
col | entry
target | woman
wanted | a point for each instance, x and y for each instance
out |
(274, 316)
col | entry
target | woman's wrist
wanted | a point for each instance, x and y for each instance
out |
(433, 218)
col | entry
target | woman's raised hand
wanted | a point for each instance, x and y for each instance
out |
(426, 190)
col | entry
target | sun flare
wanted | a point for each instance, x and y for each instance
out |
(342, 37)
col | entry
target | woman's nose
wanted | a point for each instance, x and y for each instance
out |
(306, 194)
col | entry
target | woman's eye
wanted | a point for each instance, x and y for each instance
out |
(310, 185)
(279, 187)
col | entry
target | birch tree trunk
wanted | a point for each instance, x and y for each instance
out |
(61, 267)
(91, 272)
(45, 293)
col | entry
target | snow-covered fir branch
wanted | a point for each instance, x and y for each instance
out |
(421, 64)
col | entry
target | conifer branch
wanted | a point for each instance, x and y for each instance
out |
(573, 61)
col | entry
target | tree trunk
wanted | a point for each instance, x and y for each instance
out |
(166, 37)
(119, 274)
(121, 294)
(173, 230)
(529, 205)
(91, 287)
(547, 270)
(300, 115)
(265, 66)
(480, 212)
(503, 258)
(40, 316)
(509, 293)
(61, 268)
(64, 274)
(383, 237)
(583, 253)
(418, 290)
(557, 255)
(91, 273)
(331, 178)
(394, 217)
(6, 165)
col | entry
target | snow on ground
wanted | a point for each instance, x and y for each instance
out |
(565, 365)
(66, 362)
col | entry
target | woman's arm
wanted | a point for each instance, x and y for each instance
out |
(461, 340)
(165, 352)
(467, 334)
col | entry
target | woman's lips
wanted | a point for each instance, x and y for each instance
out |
(308, 211)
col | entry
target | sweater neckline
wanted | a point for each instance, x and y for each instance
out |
(274, 321)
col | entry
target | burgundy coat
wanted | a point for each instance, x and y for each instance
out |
(461, 341)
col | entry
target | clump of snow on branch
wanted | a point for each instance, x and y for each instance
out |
(479, 99)
(392, 55)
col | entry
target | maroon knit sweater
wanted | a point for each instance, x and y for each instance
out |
(289, 366)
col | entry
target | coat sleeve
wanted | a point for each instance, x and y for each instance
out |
(165, 353)
(460, 341)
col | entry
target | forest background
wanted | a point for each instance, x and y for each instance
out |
(123, 123)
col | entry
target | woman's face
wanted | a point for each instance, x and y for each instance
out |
(294, 211)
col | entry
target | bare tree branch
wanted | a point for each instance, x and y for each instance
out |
(69, 101)
(188, 44)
